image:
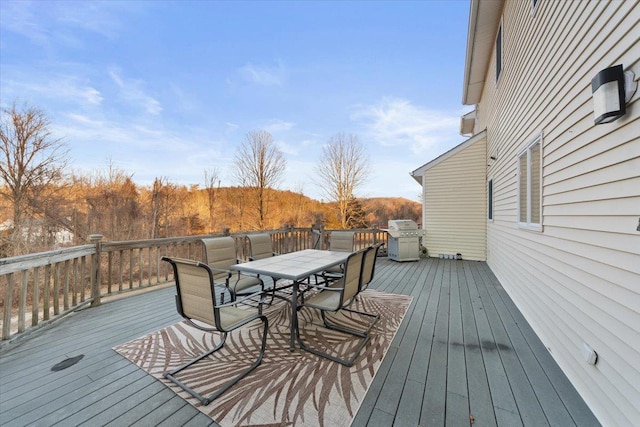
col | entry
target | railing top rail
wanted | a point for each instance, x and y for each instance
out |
(25, 262)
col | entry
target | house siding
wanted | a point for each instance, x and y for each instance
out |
(578, 280)
(455, 214)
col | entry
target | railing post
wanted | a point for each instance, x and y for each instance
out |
(95, 269)
(289, 237)
(320, 234)
(317, 235)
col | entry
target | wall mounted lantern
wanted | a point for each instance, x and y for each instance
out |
(612, 88)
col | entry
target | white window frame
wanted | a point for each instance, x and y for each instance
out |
(529, 225)
(490, 199)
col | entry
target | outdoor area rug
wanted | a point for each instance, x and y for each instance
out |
(288, 388)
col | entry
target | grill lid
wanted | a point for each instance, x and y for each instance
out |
(402, 225)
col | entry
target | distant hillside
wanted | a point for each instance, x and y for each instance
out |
(385, 208)
(119, 209)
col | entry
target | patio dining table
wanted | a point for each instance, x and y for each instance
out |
(294, 266)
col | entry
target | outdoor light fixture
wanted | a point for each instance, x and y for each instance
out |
(612, 88)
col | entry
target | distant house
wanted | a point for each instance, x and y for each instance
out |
(39, 232)
(553, 197)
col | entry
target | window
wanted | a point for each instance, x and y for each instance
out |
(530, 186)
(499, 52)
(490, 200)
(534, 5)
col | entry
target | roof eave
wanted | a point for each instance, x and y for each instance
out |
(484, 18)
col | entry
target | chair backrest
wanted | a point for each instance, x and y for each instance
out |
(351, 278)
(195, 299)
(341, 241)
(220, 253)
(260, 246)
(369, 265)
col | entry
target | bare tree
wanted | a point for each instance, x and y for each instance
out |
(342, 169)
(113, 204)
(259, 165)
(31, 162)
(158, 195)
(212, 185)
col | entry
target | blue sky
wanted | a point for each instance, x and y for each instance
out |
(170, 89)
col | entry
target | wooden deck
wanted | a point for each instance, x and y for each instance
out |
(464, 354)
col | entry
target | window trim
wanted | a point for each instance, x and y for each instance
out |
(528, 225)
(499, 50)
(490, 199)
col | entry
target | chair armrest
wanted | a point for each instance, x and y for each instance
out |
(220, 270)
(323, 288)
(244, 298)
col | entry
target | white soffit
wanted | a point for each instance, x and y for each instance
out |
(484, 19)
(467, 123)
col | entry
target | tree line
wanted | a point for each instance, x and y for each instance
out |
(41, 207)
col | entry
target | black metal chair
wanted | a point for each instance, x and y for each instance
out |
(334, 297)
(196, 302)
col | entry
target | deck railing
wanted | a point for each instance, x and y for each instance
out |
(37, 289)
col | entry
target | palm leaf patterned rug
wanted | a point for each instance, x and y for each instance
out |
(288, 388)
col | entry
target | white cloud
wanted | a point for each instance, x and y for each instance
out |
(59, 24)
(397, 122)
(264, 75)
(231, 127)
(286, 148)
(60, 87)
(115, 76)
(277, 125)
(132, 92)
(19, 18)
(92, 96)
(95, 17)
(147, 150)
(84, 120)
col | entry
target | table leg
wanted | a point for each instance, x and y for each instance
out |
(294, 316)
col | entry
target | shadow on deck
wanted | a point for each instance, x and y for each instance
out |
(463, 355)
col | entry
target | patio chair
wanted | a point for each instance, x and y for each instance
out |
(339, 241)
(220, 255)
(335, 297)
(260, 247)
(369, 265)
(368, 271)
(196, 302)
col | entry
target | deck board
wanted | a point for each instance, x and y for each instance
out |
(480, 406)
(464, 352)
(457, 399)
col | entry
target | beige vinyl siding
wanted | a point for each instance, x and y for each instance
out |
(455, 208)
(578, 280)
